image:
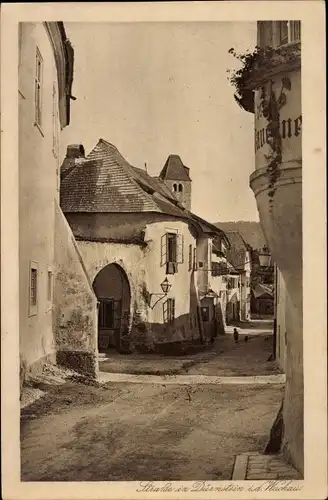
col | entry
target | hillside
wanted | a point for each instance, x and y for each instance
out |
(250, 231)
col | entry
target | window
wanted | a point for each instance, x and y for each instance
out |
(264, 33)
(172, 247)
(175, 187)
(295, 31)
(195, 259)
(205, 314)
(171, 251)
(219, 269)
(33, 289)
(288, 32)
(38, 88)
(190, 258)
(106, 314)
(20, 39)
(180, 188)
(210, 249)
(50, 286)
(169, 311)
(54, 122)
(283, 32)
(34, 286)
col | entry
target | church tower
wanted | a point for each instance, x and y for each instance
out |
(176, 176)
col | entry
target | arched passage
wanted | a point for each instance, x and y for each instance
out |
(112, 289)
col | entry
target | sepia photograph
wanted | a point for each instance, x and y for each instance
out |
(160, 253)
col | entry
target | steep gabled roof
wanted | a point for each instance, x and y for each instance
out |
(250, 231)
(236, 254)
(175, 170)
(105, 182)
(261, 290)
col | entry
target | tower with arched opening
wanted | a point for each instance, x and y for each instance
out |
(176, 176)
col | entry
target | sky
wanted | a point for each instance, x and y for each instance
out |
(155, 89)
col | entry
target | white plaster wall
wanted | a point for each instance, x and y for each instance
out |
(281, 320)
(203, 273)
(38, 188)
(282, 224)
(130, 258)
(155, 273)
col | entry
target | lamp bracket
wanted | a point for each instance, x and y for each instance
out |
(153, 297)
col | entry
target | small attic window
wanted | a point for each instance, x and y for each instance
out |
(175, 187)
(180, 188)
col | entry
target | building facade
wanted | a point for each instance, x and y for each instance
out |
(45, 80)
(272, 91)
(280, 315)
(239, 257)
(147, 256)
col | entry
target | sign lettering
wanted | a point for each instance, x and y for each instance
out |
(288, 128)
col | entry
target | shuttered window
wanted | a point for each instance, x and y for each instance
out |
(288, 32)
(283, 32)
(190, 258)
(50, 286)
(295, 31)
(169, 311)
(34, 286)
(33, 289)
(195, 259)
(171, 251)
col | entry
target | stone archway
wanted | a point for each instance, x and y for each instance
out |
(112, 288)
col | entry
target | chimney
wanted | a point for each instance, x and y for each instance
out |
(75, 155)
(75, 151)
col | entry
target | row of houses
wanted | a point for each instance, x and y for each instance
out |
(109, 255)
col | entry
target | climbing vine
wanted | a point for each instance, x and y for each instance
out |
(253, 74)
(257, 63)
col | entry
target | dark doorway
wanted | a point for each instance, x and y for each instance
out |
(112, 289)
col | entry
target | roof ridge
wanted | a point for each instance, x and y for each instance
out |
(126, 167)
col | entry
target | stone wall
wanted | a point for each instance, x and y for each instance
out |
(141, 263)
(75, 305)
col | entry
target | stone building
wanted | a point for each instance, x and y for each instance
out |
(146, 255)
(271, 90)
(55, 321)
(176, 176)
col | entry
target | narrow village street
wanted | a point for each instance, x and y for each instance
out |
(158, 331)
(144, 430)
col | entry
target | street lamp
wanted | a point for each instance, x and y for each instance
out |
(265, 257)
(166, 287)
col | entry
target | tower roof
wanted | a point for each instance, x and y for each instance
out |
(175, 170)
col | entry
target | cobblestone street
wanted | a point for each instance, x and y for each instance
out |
(157, 426)
(255, 466)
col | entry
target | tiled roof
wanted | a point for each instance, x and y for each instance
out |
(175, 170)
(106, 182)
(103, 183)
(236, 254)
(261, 290)
(250, 231)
